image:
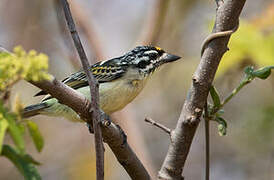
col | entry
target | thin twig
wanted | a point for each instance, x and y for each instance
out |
(88, 29)
(226, 18)
(162, 127)
(235, 91)
(207, 143)
(65, 34)
(94, 91)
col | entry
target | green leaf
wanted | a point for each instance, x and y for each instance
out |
(249, 70)
(222, 126)
(16, 133)
(36, 135)
(220, 112)
(29, 158)
(263, 73)
(22, 128)
(26, 168)
(3, 128)
(215, 97)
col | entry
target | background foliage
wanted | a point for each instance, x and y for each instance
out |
(246, 152)
(13, 68)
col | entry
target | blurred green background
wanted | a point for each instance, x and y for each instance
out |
(114, 27)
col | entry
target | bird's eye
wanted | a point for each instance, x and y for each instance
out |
(161, 52)
(153, 55)
(142, 64)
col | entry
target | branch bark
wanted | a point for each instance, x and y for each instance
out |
(181, 138)
(88, 29)
(207, 143)
(112, 134)
(94, 119)
(158, 125)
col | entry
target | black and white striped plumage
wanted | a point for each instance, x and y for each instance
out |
(120, 80)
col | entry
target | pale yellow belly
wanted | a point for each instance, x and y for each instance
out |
(114, 96)
(117, 94)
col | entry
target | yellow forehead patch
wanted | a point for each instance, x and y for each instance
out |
(158, 48)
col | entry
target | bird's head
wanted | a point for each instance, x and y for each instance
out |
(147, 58)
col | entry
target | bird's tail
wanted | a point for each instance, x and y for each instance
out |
(33, 110)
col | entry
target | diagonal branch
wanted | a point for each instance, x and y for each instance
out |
(115, 138)
(93, 120)
(182, 136)
(65, 34)
(112, 134)
(158, 125)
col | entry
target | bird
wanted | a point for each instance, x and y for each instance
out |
(120, 80)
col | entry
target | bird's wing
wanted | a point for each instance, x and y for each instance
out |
(102, 71)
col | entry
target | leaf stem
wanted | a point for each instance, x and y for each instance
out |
(236, 90)
(243, 83)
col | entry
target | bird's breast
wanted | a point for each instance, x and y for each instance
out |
(117, 94)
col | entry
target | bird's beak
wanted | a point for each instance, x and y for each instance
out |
(169, 58)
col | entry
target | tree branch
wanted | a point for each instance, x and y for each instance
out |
(181, 138)
(115, 138)
(88, 29)
(112, 134)
(62, 27)
(207, 143)
(158, 125)
(94, 91)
